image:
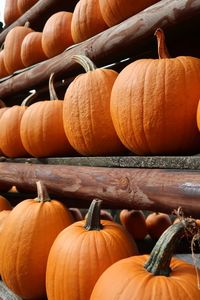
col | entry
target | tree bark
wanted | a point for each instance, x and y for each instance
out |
(147, 189)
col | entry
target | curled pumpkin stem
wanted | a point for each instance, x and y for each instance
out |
(85, 62)
(162, 48)
(52, 92)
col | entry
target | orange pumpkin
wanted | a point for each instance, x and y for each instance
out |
(11, 12)
(4, 204)
(31, 49)
(12, 48)
(56, 35)
(87, 20)
(82, 252)
(157, 223)
(30, 231)
(134, 222)
(3, 215)
(24, 5)
(115, 11)
(160, 98)
(3, 71)
(151, 277)
(86, 111)
(43, 139)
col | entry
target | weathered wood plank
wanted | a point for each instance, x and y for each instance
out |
(148, 189)
(128, 38)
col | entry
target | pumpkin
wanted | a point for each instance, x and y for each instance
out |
(76, 214)
(86, 111)
(160, 98)
(104, 215)
(3, 215)
(12, 48)
(31, 49)
(151, 277)
(24, 5)
(87, 20)
(82, 252)
(11, 12)
(56, 34)
(10, 140)
(30, 231)
(4, 204)
(3, 71)
(157, 223)
(43, 139)
(134, 222)
(3, 108)
(115, 11)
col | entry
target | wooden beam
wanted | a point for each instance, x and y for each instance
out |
(129, 38)
(147, 189)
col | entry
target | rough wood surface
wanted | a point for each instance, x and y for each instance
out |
(38, 14)
(148, 189)
(128, 38)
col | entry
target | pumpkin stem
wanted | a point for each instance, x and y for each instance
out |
(2, 104)
(27, 24)
(52, 92)
(162, 48)
(42, 194)
(93, 216)
(85, 62)
(28, 100)
(160, 257)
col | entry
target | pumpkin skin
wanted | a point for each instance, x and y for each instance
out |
(31, 49)
(87, 20)
(3, 215)
(11, 11)
(143, 277)
(86, 112)
(56, 35)
(30, 230)
(115, 11)
(157, 223)
(3, 71)
(134, 222)
(39, 140)
(77, 251)
(24, 5)
(12, 48)
(158, 116)
(4, 204)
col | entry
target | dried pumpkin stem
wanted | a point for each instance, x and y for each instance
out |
(28, 100)
(93, 216)
(52, 92)
(162, 48)
(85, 62)
(42, 194)
(160, 257)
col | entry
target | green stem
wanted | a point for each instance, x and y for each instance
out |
(160, 257)
(93, 216)
(42, 194)
(85, 62)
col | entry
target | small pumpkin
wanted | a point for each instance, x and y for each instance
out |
(87, 20)
(82, 252)
(86, 111)
(11, 12)
(4, 204)
(30, 231)
(24, 5)
(157, 223)
(12, 48)
(76, 214)
(56, 34)
(160, 98)
(134, 222)
(47, 136)
(115, 11)
(31, 49)
(155, 276)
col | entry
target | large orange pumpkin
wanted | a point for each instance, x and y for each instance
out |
(30, 231)
(82, 252)
(47, 136)
(24, 5)
(151, 277)
(56, 34)
(12, 48)
(158, 112)
(11, 12)
(86, 111)
(31, 49)
(115, 11)
(87, 20)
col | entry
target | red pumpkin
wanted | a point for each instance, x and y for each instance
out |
(56, 35)
(4, 204)
(160, 98)
(30, 231)
(82, 252)
(11, 12)
(24, 5)
(157, 223)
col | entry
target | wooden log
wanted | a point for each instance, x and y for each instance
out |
(129, 38)
(38, 14)
(147, 189)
